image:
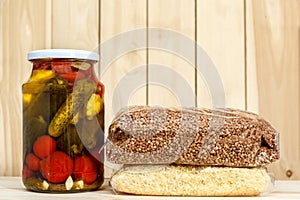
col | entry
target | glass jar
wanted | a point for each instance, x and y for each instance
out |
(63, 122)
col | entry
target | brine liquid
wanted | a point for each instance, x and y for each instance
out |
(72, 160)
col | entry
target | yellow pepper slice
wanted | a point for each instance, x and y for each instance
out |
(27, 99)
(41, 75)
(94, 106)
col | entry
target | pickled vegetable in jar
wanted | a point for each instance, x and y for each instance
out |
(63, 122)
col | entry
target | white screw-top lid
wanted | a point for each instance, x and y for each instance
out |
(62, 53)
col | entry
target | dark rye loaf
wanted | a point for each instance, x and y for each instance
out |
(191, 136)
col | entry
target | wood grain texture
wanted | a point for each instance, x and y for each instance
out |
(22, 29)
(277, 39)
(75, 24)
(250, 65)
(118, 17)
(220, 28)
(265, 82)
(177, 16)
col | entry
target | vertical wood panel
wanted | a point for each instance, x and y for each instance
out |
(2, 149)
(277, 33)
(22, 30)
(251, 73)
(118, 17)
(75, 24)
(220, 28)
(272, 76)
(178, 16)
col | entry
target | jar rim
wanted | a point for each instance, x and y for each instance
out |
(62, 53)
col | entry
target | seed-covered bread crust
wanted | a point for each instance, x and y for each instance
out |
(191, 136)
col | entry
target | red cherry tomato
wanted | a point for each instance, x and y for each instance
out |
(26, 172)
(57, 167)
(44, 146)
(33, 162)
(85, 169)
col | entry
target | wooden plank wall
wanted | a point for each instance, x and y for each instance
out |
(253, 43)
(126, 16)
(23, 29)
(273, 51)
(179, 16)
(220, 30)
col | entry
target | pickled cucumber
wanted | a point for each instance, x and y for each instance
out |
(90, 131)
(70, 142)
(34, 128)
(47, 98)
(35, 84)
(82, 91)
(58, 95)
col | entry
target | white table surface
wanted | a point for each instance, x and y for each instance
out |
(12, 188)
